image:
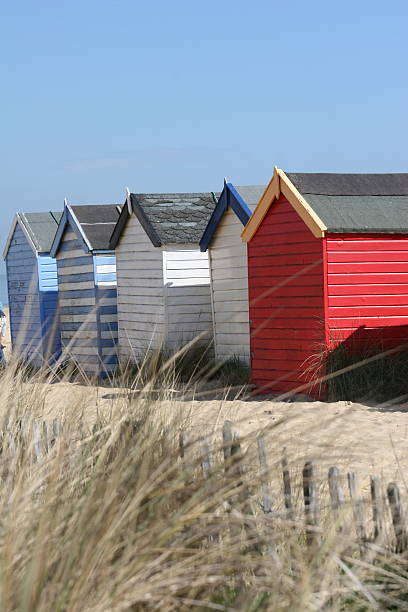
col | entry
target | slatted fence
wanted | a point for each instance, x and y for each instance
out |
(377, 521)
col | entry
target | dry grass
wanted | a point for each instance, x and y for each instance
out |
(112, 519)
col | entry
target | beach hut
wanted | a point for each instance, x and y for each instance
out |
(227, 256)
(163, 278)
(87, 287)
(327, 263)
(32, 287)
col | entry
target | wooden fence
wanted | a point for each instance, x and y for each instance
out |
(382, 510)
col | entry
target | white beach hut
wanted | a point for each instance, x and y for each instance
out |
(229, 269)
(163, 279)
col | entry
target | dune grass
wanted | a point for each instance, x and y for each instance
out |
(113, 519)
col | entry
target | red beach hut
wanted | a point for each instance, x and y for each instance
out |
(327, 264)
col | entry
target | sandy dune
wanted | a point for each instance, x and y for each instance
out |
(370, 440)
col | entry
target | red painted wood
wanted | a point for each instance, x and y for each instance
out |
(265, 250)
(360, 256)
(312, 334)
(369, 267)
(369, 278)
(285, 386)
(288, 291)
(368, 300)
(285, 343)
(285, 268)
(283, 260)
(366, 242)
(362, 290)
(368, 288)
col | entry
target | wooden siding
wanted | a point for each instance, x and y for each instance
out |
(139, 267)
(48, 284)
(24, 299)
(286, 297)
(188, 312)
(88, 312)
(367, 288)
(229, 285)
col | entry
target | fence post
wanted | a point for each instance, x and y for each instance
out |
(205, 459)
(37, 450)
(287, 489)
(264, 472)
(55, 431)
(378, 507)
(357, 505)
(397, 514)
(227, 443)
(44, 437)
(184, 447)
(311, 504)
(336, 492)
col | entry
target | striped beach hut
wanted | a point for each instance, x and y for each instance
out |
(87, 286)
(227, 256)
(32, 287)
(164, 294)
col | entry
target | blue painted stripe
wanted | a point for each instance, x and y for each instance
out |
(106, 310)
(70, 245)
(75, 261)
(104, 293)
(77, 293)
(108, 343)
(105, 260)
(110, 359)
(77, 278)
(108, 327)
(106, 278)
(76, 310)
(76, 326)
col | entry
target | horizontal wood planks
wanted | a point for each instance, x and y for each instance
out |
(286, 300)
(187, 296)
(24, 299)
(367, 288)
(229, 286)
(87, 306)
(139, 268)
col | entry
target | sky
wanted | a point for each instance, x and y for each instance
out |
(158, 96)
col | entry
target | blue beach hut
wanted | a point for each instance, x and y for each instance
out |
(227, 256)
(87, 287)
(32, 287)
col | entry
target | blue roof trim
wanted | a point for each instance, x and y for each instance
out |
(238, 205)
(229, 197)
(66, 219)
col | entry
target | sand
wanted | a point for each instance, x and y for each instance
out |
(372, 440)
(365, 438)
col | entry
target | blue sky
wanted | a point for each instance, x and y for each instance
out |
(172, 96)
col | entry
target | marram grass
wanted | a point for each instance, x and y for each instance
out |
(111, 518)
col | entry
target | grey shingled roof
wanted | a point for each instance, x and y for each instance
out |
(376, 203)
(251, 194)
(42, 228)
(173, 218)
(97, 222)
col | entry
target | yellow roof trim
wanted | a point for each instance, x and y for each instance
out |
(280, 183)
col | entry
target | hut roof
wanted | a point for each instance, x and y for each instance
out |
(93, 224)
(40, 229)
(168, 218)
(97, 222)
(242, 200)
(357, 202)
(340, 203)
